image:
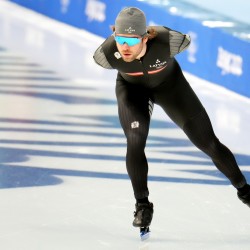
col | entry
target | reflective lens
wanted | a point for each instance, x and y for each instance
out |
(130, 41)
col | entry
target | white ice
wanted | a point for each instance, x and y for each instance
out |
(62, 172)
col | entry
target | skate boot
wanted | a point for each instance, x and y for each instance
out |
(245, 197)
(143, 214)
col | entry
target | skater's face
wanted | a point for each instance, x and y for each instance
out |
(130, 47)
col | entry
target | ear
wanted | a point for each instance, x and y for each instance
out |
(144, 39)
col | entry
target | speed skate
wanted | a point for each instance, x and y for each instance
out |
(144, 233)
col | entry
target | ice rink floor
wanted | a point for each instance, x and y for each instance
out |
(62, 168)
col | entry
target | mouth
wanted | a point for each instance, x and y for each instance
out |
(126, 54)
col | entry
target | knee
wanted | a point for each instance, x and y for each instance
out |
(136, 139)
(211, 147)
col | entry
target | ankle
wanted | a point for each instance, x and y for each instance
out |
(244, 190)
(143, 200)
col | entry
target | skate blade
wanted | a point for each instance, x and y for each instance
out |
(145, 233)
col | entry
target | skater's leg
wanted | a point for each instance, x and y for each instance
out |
(200, 132)
(134, 107)
(182, 105)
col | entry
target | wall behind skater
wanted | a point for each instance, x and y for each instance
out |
(219, 49)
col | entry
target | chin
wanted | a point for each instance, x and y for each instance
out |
(128, 59)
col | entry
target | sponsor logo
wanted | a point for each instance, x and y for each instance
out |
(95, 10)
(135, 124)
(117, 55)
(229, 63)
(193, 47)
(158, 64)
(130, 30)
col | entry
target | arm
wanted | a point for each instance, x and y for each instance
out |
(178, 42)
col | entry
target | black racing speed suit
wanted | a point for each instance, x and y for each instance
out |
(157, 78)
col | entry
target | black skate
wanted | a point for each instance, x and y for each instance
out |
(143, 217)
(245, 198)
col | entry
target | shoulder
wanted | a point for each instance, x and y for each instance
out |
(177, 36)
(178, 42)
(159, 33)
(100, 55)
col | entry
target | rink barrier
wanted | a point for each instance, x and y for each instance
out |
(214, 54)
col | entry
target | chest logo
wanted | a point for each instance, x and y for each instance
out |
(158, 64)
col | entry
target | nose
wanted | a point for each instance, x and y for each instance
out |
(125, 46)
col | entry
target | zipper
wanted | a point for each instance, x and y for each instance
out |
(145, 72)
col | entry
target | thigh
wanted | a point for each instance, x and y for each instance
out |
(134, 107)
(177, 98)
